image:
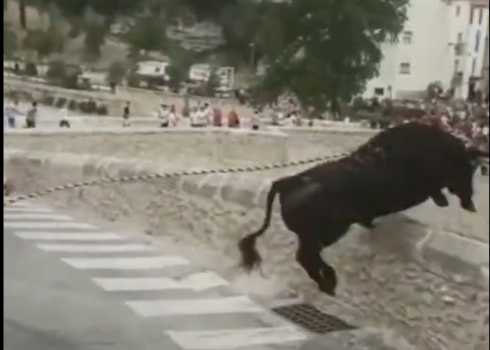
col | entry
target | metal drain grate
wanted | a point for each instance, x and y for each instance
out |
(312, 319)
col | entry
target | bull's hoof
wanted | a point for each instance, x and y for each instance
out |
(469, 207)
(326, 290)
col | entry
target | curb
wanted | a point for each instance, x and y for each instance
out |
(459, 258)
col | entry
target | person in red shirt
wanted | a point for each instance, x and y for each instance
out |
(233, 121)
(217, 117)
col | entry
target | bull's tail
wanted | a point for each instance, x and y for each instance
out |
(249, 254)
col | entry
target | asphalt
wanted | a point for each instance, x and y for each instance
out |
(48, 307)
(52, 302)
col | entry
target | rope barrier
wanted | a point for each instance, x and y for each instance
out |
(159, 176)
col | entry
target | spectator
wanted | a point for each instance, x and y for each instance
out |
(126, 113)
(31, 116)
(233, 121)
(217, 117)
(64, 122)
(163, 116)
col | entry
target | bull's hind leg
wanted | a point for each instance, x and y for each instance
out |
(308, 256)
(440, 199)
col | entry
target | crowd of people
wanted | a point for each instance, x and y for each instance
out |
(13, 111)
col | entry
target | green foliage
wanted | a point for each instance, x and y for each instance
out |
(213, 83)
(134, 80)
(178, 70)
(10, 40)
(324, 52)
(30, 69)
(102, 110)
(44, 42)
(57, 71)
(60, 102)
(72, 105)
(147, 34)
(95, 31)
(116, 73)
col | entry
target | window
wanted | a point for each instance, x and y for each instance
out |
(473, 66)
(379, 91)
(472, 15)
(456, 66)
(480, 18)
(458, 11)
(460, 37)
(407, 37)
(404, 68)
(477, 41)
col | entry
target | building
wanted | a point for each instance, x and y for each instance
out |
(443, 41)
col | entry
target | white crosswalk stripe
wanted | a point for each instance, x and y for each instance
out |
(198, 282)
(95, 248)
(68, 236)
(85, 247)
(36, 216)
(125, 263)
(236, 338)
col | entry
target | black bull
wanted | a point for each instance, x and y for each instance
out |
(399, 168)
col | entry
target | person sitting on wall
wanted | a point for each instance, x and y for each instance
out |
(64, 122)
(163, 116)
(233, 120)
(31, 116)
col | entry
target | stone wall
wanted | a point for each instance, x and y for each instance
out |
(198, 148)
(313, 141)
(427, 284)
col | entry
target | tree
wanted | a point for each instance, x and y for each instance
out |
(324, 51)
(43, 42)
(147, 34)
(22, 14)
(95, 31)
(240, 20)
(57, 71)
(116, 73)
(213, 83)
(10, 40)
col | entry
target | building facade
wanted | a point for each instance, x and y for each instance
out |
(443, 41)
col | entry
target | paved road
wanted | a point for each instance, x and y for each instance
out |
(69, 286)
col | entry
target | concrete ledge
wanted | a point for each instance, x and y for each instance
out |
(457, 257)
(211, 147)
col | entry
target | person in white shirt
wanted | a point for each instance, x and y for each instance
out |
(64, 122)
(9, 115)
(163, 116)
(255, 121)
(199, 117)
(194, 117)
(172, 116)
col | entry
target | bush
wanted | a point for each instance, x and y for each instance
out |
(134, 81)
(61, 102)
(48, 100)
(56, 72)
(30, 69)
(92, 107)
(102, 110)
(70, 81)
(72, 105)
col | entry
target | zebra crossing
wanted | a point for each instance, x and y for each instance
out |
(196, 309)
